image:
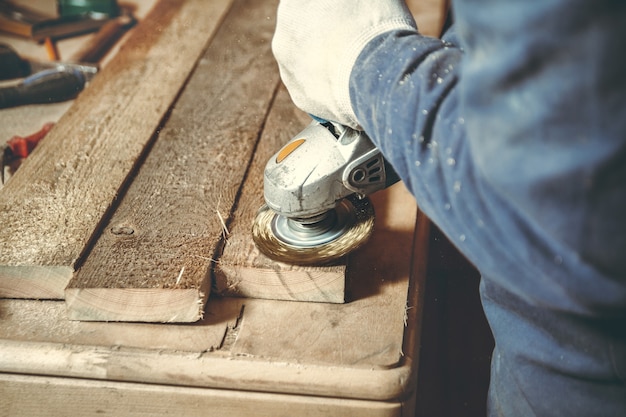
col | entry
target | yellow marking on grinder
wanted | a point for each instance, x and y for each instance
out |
(288, 149)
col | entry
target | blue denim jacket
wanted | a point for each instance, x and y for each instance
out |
(511, 133)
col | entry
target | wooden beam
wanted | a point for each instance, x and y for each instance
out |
(34, 396)
(200, 369)
(35, 320)
(244, 271)
(51, 208)
(153, 259)
(313, 349)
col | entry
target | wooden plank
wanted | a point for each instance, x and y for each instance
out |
(381, 267)
(242, 269)
(206, 369)
(36, 321)
(59, 397)
(47, 344)
(36, 338)
(152, 262)
(50, 209)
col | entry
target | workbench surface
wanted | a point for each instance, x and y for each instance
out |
(245, 356)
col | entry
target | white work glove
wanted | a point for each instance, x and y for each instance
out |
(316, 44)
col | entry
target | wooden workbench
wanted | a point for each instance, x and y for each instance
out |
(246, 356)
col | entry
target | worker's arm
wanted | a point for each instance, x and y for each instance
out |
(512, 137)
(515, 124)
(514, 140)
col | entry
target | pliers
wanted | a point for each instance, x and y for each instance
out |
(19, 147)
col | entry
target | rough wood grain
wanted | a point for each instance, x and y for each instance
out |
(242, 269)
(50, 209)
(152, 261)
(24, 396)
(205, 369)
(321, 349)
(46, 344)
(36, 321)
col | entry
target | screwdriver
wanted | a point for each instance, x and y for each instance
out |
(14, 66)
(49, 86)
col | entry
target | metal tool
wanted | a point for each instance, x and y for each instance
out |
(45, 82)
(82, 7)
(14, 66)
(315, 190)
(49, 86)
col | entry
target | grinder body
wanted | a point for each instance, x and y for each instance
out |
(315, 191)
(320, 166)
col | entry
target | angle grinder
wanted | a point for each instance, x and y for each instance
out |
(315, 191)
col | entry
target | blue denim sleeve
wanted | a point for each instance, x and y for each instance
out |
(511, 133)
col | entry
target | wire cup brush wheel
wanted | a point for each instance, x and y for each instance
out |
(315, 241)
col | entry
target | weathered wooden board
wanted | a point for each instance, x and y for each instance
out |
(34, 320)
(365, 349)
(24, 396)
(244, 271)
(207, 371)
(50, 209)
(153, 260)
(314, 333)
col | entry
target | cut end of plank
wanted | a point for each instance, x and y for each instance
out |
(136, 304)
(34, 281)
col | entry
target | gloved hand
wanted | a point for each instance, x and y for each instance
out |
(316, 44)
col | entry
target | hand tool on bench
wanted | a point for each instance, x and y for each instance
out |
(50, 81)
(14, 66)
(19, 147)
(49, 86)
(30, 23)
(315, 189)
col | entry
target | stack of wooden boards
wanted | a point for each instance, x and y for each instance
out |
(139, 203)
(140, 200)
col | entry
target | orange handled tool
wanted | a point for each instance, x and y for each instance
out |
(22, 146)
(19, 147)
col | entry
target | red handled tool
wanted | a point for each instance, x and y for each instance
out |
(19, 147)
